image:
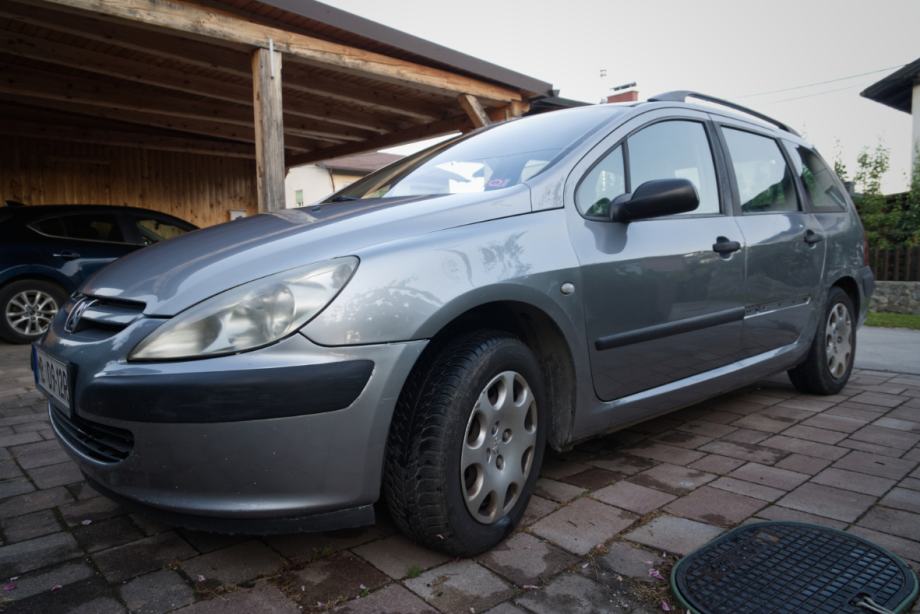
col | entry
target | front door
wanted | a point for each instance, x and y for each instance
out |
(785, 243)
(661, 303)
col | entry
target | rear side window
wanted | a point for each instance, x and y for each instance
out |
(819, 181)
(87, 227)
(765, 181)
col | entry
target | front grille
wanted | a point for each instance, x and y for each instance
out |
(101, 316)
(99, 442)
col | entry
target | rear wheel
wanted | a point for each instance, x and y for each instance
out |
(466, 444)
(27, 308)
(830, 359)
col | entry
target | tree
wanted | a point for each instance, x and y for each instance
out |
(910, 218)
(892, 221)
(839, 167)
(880, 220)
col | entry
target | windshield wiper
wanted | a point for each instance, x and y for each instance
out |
(341, 198)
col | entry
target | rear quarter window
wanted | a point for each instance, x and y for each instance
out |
(820, 182)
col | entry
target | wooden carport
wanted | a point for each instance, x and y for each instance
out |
(280, 82)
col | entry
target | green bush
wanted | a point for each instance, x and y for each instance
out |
(892, 221)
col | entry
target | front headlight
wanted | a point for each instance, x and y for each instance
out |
(249, 316)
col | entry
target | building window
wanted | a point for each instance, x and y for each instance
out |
(298, 197)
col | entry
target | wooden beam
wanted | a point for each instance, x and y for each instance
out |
(68, 85)
(269, 122)
(197, 127)
(474, 110)
(198, 22)
(299, 79)
(417, 133)
(509, 111)
(121, 138)
(80, 58)
(225, 60)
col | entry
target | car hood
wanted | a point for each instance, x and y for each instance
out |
(171, 276)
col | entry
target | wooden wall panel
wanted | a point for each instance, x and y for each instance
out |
(197, 188)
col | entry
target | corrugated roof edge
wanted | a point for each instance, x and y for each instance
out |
(366, 28)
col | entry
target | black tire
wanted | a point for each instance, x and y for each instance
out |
(7, 330)
(422, 483)
(814, 376)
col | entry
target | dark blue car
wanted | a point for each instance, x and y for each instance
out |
(47, 251)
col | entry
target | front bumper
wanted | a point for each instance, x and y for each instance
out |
(279, 438)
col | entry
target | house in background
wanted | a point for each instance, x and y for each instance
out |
(901, 90)
(308, 183)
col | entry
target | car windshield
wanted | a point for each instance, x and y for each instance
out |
(500, 157)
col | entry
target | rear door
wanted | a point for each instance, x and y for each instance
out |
(661, 303)
(785, 243)
(79, 244)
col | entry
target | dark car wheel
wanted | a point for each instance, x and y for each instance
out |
(27, 308)
(830, 359)
(466, 444)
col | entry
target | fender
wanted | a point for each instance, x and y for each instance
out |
(28, 271)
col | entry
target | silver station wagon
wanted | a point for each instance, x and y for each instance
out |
(421, 336)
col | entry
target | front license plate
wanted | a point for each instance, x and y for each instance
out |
(53, 378)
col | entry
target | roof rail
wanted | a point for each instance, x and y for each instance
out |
(682, 95)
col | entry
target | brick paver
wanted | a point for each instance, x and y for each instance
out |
(606, 512)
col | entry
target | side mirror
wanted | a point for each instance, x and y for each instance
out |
(655, 198)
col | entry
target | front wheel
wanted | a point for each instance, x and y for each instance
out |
(466, 444)
(829, 363)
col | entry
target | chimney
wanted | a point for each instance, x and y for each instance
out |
(630, 96)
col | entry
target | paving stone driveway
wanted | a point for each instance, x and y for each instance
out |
(609, 517)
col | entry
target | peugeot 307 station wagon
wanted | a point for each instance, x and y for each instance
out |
(422, 335)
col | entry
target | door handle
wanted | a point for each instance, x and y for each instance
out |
(812, 237)
(724, 247)
(67, 254)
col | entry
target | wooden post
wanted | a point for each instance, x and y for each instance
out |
(269, 129)
(474, 110)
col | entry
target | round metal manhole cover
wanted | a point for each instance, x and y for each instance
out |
(795, 568)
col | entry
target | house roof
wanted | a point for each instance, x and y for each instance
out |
(360, 163)
(896, 89)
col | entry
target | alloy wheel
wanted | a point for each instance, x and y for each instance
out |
(498, 447)
(838, 336)
(30, 312)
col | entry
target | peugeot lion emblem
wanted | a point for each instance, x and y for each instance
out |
(73, 318)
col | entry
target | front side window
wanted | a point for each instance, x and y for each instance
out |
(765, 182)
(819, 181)
(666, 150)
(153, 230)
(675, 150)
(500, 157)
(88, 227)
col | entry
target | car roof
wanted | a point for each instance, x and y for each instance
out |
(717, 107)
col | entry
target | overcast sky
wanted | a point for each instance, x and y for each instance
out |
(729, 48)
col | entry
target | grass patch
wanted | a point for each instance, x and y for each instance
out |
(414, 571)
(893, 320)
